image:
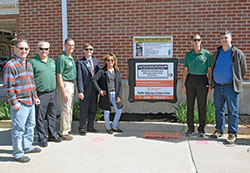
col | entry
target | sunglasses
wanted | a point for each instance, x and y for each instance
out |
(196, 39)
(23, 48)
(110, 60)
(46, 49)
(88, 49)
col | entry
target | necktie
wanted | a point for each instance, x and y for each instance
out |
(91, 67)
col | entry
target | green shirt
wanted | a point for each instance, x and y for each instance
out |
(66, 66)
(198, 63)
(44, 74)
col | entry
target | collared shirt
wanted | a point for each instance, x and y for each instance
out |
(66, 66)
(223, 71)
(198, 63)
(44, 73)
(19, 82)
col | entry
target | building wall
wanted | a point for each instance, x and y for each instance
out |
(111, 24)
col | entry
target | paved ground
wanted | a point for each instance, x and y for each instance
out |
(131, 151)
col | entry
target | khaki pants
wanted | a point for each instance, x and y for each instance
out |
(66, 108)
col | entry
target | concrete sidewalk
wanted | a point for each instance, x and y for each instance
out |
(132, 151)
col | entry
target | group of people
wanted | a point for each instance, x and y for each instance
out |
(223, 71)
(31, 85)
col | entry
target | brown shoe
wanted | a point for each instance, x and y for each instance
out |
(23, 159)
(66, 137)
(35, 150)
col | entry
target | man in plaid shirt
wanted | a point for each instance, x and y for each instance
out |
(21, 91)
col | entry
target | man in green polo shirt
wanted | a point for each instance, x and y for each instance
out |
(66, 77)
(44, 69)
(196, 83)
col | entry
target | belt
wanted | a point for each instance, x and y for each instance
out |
(69, 81)
(225, 84)
(45, 92)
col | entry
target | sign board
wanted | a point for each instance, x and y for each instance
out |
(153, 80)
(153, 47)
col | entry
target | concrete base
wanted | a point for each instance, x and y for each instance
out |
(165, 107)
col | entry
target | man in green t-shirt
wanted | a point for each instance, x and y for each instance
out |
(66, 77)
(44, 69)
(196, 83)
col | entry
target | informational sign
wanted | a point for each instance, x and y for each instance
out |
(153, 80)
(153, 47)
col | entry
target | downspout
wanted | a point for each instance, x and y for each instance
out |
(64, 21)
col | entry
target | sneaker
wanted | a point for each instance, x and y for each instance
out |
(231, 138)
(202, 135)
(66, 137)
(216, 134)
(189, 134)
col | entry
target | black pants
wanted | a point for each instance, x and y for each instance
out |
(46, 110)
(88, 108)
(196, 87)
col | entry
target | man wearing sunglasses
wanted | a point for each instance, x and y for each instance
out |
(66, 76)
(229, 68)
(87, 67)
(20, 87)
(44, 69)
(195, 83)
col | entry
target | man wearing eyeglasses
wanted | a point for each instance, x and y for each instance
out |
(44, 69)
(87, 67)
(66, 76)
(20, 87)
(229, 68)
(195, 83)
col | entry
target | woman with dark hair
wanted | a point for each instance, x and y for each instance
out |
(108, 83)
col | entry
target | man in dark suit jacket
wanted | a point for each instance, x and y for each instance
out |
(86, 69)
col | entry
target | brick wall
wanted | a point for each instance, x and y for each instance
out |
(111, 24)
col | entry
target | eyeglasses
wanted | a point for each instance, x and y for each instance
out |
(196, 39)
(46, 49)
(88, 49)
(110, 60)
(23, 48)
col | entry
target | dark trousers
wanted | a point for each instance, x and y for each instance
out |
(46, 110)
(88, 108)
(196, 87)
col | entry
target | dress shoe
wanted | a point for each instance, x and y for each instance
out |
(109, 131)
(56, 139)
(43, 144)
(35, 150)
(82, 132)
(23, 159)
(117, 130)
(66, 137)
(93, 130)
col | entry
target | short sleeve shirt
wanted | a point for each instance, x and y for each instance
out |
(66, 66)
(198, 63)
(44, 74)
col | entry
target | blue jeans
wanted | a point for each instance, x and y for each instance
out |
(223, 95)
(118, 113)
(23, 124)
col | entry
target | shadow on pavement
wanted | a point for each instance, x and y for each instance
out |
(5, 137)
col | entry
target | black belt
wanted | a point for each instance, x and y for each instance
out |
(225, 84)
(45, 92)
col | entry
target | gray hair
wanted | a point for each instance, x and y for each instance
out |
(43, 42)
(21, 40)
(226, 33)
